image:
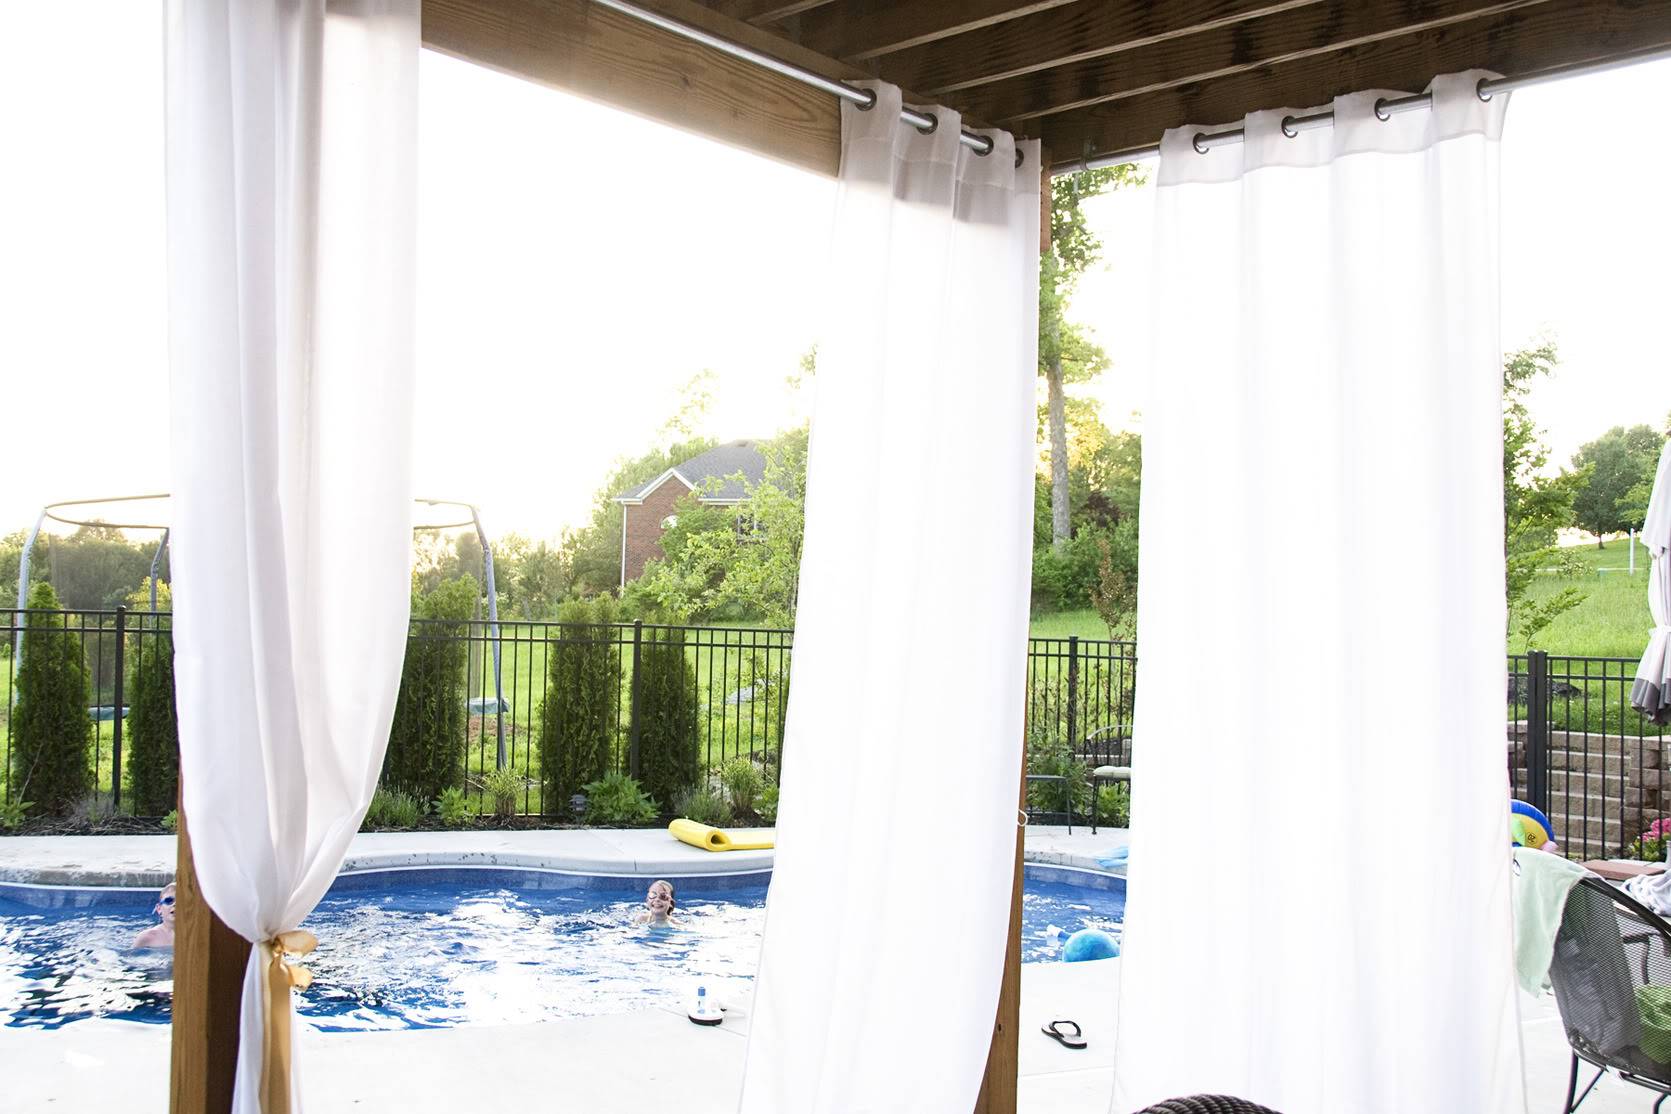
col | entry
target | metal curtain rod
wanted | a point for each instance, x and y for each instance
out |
(924, 122)
(1384, 108)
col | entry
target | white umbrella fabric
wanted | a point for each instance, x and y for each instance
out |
(1651, 694)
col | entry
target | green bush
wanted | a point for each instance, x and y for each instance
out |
(503, 787)
(768, 805)
(171, 821)
(1049, 754)
(583, 700)
(52, 734)
(452, 807)
(392, 808)
(617, 799)
(153, 738)
(12, 813)
(743, 785)
(704, 806)
(669, 750)
(431, 725)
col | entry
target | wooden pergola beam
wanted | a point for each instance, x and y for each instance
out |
(209, 962)
(764, 12)
(858, 30)
(1269, 40)
(1524, 41)
(593, 52)
(1076, 32)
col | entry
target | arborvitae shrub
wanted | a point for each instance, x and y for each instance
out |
(431, 724)
(153, 738)
(668, 749)
(582, 701)
(52, 734)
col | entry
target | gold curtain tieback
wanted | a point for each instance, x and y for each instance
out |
(282, 978)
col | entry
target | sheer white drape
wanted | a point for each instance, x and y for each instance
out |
(880, 966)
(1318, 914)
(291, 200)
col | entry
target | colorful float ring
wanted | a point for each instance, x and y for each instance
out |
(1528, 826)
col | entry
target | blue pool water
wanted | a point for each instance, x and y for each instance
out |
(427, 948)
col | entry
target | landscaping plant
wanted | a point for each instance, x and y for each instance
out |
(452, 807)
(768, 805)
(617, 799)
(393, 808)
(704, 806)
(153, 739)
(431, 723)
(743, 784)
(52, 734)
(503, 787)
(583, 694)
(668, 744)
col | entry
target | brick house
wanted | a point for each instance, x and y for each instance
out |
(648, 510)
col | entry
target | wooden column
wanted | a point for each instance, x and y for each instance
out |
(209, 961)
(1003, 1059)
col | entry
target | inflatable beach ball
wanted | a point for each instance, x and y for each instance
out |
(1089, 943)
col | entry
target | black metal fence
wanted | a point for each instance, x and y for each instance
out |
(1580, 752)
(1575, 747)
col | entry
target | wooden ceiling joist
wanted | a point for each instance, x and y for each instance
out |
(1063, 36)
(763, 13)
(1270, 40)
(1525, 41)
(859, 30)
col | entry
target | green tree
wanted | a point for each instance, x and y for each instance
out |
(1536, 507)
(668, 746)
(1066, 353)
(52, 734)
(431, 724)
(541, 580)
(742, 561)
(1609, 468)
(153, 736)
(94, 568)
(582, 704)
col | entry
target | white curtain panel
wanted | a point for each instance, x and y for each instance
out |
(291, 143)
(1318, 913)
(889, 904)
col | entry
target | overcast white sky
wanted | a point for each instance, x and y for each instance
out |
(577, 265)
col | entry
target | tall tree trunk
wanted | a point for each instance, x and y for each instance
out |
(1061, 523)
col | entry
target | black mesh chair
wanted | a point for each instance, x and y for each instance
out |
(1207, 1104)
(1612, 976)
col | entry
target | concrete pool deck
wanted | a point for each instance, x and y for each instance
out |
(623, 1063)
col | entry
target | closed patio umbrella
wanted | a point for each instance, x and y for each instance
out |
(1651, 694)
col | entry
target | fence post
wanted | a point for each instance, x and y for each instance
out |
(1537, 729)
(1073, 695)
(116, 712)
(632, 726)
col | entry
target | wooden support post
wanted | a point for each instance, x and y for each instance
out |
(209, 961)
(1003, 1059)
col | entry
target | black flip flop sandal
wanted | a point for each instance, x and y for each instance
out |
(1068, 1040)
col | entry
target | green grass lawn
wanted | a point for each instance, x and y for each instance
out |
(1613, 620)
(1085, 623)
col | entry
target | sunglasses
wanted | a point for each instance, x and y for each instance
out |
(165, 901)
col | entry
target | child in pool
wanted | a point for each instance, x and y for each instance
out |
(160, 935)
(658, 905)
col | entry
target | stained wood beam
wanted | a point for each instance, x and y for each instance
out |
(1076, 32)
(857, 30)
(592, 52)
(762, 13)
(209, 961)
(1270, 40)
(1524, 41)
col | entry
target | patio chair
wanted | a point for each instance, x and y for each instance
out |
(1612, 976)
(1207, 1104)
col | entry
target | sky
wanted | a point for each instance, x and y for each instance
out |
(578, 266)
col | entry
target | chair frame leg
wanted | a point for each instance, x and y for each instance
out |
(1572, 1088)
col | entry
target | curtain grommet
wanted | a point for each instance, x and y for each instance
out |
(1288, 128)
(866, 106)
(1381, 112)
(1020, 157)
(1195, 142)
(1481, 91)
(933, 124)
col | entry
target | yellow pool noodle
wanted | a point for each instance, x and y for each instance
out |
(710, 839)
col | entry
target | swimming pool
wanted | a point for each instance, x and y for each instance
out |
(436, 947)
